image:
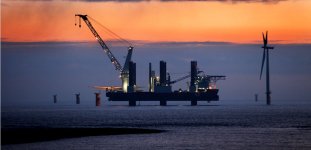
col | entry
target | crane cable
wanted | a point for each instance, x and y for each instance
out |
(111, 32)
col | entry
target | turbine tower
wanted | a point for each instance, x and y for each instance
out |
(266, 58)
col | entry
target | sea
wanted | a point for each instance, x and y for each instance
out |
(31, 73)
(206, 126)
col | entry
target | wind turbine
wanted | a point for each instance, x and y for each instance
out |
(266, 58)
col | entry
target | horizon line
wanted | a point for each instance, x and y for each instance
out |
(143, 42)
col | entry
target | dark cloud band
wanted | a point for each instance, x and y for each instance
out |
(228, 1)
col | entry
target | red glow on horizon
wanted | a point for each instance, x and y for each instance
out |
(287, 22)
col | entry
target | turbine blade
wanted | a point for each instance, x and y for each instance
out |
(263, 62)
(266, 37)
(263, 38)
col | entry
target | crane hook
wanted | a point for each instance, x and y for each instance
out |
(75, 20)
(79, 22)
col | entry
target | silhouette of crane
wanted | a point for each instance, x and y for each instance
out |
(180, 79)
(125, 70)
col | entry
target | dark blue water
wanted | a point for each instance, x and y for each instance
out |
(199, 127)
(31, 73)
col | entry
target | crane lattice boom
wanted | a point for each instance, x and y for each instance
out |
(113, 59)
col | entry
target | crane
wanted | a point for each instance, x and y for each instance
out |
(203, 81)
(123, 70)
(180, 79)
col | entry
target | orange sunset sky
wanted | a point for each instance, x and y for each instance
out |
(288, 21)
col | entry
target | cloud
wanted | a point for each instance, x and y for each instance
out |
(228, 1)
(3, 4)
(45, 43)
(187, 44)
(3, 39)
(135, 42)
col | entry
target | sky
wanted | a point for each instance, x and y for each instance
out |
(43, 53)
(238, 21)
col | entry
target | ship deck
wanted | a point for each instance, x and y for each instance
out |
(193, 97)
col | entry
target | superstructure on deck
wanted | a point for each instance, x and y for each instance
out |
(201, 88)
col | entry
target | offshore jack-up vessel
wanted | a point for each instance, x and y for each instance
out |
(202, 87)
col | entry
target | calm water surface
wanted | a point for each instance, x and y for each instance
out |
(200, 127)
